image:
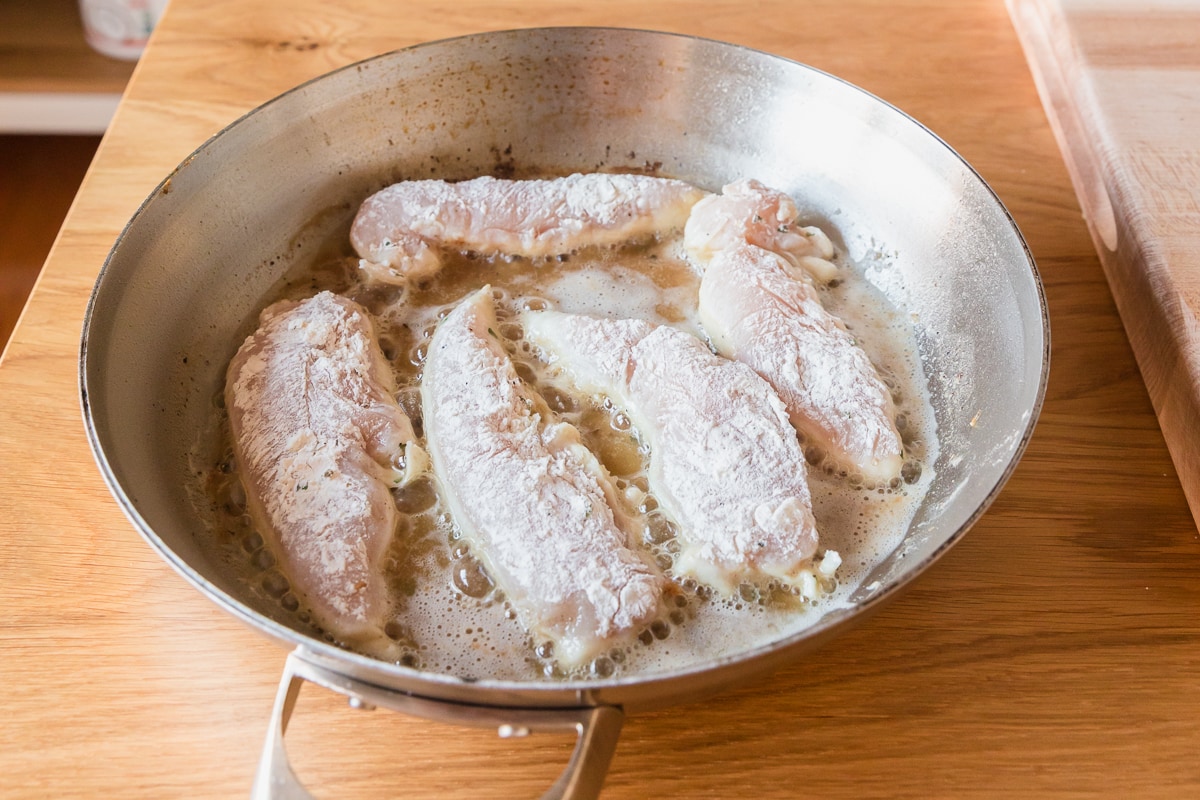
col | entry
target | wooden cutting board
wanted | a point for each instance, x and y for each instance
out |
(1120, 81)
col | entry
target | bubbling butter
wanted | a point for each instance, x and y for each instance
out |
(449, 617)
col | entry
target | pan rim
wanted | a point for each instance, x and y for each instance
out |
(547, 693)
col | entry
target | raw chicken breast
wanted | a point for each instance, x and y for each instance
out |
(400, 230)
(748, 213)
(320, 440)
(759, 306)
(725, 463)
(533, 503)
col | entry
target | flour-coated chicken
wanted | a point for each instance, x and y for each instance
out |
(725, 463)
(534, 504)
(320, 441)
(400, 231)
(759, 305)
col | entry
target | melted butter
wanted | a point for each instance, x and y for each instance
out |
(448, 616)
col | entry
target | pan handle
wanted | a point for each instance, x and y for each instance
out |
(597, 729)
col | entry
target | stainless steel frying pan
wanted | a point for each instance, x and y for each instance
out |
(186, 278)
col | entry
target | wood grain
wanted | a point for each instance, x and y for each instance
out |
(1121, 83)
(1055, 652)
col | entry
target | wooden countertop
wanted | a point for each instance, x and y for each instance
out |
(1055, 652)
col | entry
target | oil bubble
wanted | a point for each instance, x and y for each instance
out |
(275, 584)
(416, 497)
(471, 579)
(603, 667)
(525, 373)
(263, 559)
(252, 543)
(658, 529)
(559, 400)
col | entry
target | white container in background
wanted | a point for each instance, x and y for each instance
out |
(120, 28)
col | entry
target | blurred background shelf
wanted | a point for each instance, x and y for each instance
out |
(57, 96)
(51, 81)
(39, 176)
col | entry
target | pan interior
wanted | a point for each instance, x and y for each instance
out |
(267, 196)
